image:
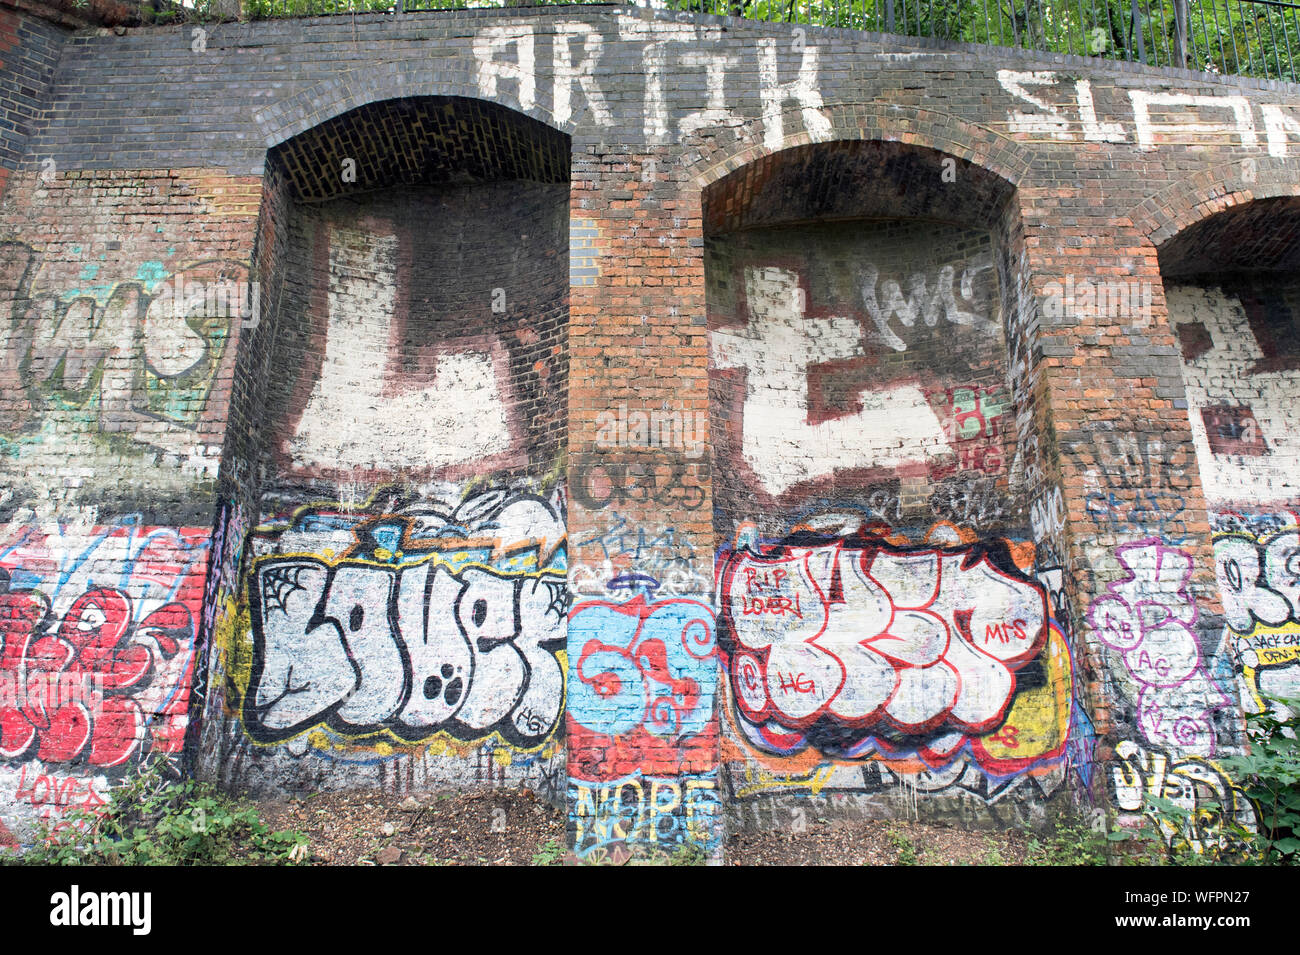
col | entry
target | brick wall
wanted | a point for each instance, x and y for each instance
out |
(29, 52)
(374, 443)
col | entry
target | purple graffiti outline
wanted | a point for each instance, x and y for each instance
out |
(1153, 590)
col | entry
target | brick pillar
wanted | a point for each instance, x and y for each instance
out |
(642, 724)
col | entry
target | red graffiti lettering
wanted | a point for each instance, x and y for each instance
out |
(796, 684)
(1005, 632)
(1007, 737)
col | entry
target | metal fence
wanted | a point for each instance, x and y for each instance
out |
(1241, 37)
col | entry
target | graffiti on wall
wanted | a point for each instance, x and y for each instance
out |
(668, 478)
(97, 628)
(863, 647)
(136, 357)
(613, 818)
(974, 419)
(1135, 480)
(642, 688)
(1149, 618)
(1065, 108)
(569, 61)
(410, 622)
(622, 555)
(642, 725)
(1258, 567)
(1191, 783)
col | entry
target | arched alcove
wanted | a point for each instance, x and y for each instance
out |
(884, 626)
(1232, 283)
(396, 572)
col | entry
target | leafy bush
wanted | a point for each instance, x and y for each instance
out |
(151, 821)
(1268, 778)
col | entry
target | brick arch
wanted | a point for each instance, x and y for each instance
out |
(918, 126)
(1187, 201)
(331, 98)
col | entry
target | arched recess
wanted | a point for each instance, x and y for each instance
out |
(389, 602)
(1232, 283)
(881, 582)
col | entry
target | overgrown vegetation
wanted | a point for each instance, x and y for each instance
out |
(549, 853)
(150, 820)
(1071, 842)
(1267, 778)
(907, 854)
(1223, 36)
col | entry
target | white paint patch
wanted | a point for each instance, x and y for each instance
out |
(349, 422)
(1224, 375)
(654, 38)
(1094, 131)
(1048, 121)
(1277, 127)
(1065, 109)
(895, 426)
(716, 112)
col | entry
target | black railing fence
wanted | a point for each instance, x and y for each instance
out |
(1241, 37)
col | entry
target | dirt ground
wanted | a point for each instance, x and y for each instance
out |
(506, 827)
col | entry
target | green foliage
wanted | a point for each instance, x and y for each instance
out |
(549, 852)
(992, 854)
(685, 853)
(1221, 36)
(150, 821)
(907, 854)
(1269, 776)
(1072, 842)
(688, 853)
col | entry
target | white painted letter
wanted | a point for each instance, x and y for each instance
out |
(803, 90)
(487, 43)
